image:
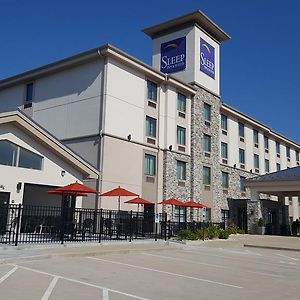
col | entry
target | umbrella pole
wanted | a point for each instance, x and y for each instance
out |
(119, 204)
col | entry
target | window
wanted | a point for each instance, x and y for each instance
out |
(206, 143)
(288, 152)
(242, 156)
(180, 135)
(224, 122)
(255, 136)
(207, 112)
(225, 180)
(29, 92)
(256, 161)
(15, 156)
(297, 155)
(151, 90)
(242, 183)
(267, 166)
(206, 175)
(181, 103)
(150, 127)
(149, 165)
(241, 130)
(266, 142)
(277, 147)
(8, 153)
(224, 150)
(181, 170)
(278, 167)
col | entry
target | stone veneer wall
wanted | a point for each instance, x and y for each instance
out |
(198, 159)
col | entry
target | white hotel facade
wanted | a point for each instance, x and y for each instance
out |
(161, 131)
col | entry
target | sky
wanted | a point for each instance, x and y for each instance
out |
(259, 65)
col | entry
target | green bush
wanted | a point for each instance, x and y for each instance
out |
(202, 233)
(261, 222)
(187, 234)
(224, 234)
(241, 231)
(213, 232)
(232, 229)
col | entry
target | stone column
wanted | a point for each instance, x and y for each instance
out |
(254, 212)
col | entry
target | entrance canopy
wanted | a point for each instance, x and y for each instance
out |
(284, 183)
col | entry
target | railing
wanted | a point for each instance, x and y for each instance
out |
(21, 224)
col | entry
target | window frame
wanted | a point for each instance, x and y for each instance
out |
(207, 138)
(181, 97)
(224, 157)
(226, 174)
(148, 126)
(256, 161)
(151, 84)
(150, 156)
(241, 130)
(242, 151)
(181, 170)
(180, 129)
(224, 117)
(208, 106)
(209, 175)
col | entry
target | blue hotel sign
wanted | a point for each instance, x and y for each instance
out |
(207, 58)
(173, 56)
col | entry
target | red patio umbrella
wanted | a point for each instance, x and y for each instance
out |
(138, 201)
(118, 192)
(193, 204)
(74, 189)
(173, 202)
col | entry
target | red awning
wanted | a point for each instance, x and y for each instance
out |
(172, 201)
(139, 200)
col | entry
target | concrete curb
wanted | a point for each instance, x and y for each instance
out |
(271, 247)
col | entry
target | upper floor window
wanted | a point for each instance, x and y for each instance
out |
(207, 112)
(29, 92)
(267, 165)
(16, 156)
(256, 161)
(181, 170)
(241, 129)
(288, 152)
(150, 127)
(225, 180)
(181, 136)
(242, 156)
(255, 136)
(181, 102)
(206, 143)
(206, 176)
(149, 164)
(151, 90)
(277, 147)
(266, 142)
(224, 121)
(242, 183)
(297, 155)
(278, 167)
(224, 150)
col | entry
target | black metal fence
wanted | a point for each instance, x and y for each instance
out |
(21, 224)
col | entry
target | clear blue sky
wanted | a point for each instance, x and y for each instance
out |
(259, 65)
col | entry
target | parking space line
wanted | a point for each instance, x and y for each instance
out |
(80, 282)
(13, 270)
(50, 288)
(105, 294)
(168, 273)
(211, 265)
(286, 256)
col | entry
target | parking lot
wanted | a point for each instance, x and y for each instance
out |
(189, 273)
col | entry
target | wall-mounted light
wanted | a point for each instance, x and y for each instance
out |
(251, 171)
(2, 187)
(19, 187)
(129, 137)
(170, 147)
(63, 173)
(234, 165)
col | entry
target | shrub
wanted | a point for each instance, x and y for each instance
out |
(224, 234)
(213, 231)
(261, 222)
(241, 231)
(187, 234)
(232, 229)
(202, 233)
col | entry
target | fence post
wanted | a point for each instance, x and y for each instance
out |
(169, 231)
(165, 222)
(130, 227)
(101, 225)
(18, 224)
(109, 229)
(62, 225)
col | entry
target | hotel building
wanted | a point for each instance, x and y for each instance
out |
(161, 131)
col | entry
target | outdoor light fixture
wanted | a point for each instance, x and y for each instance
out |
(63, 173)
(234, 165)
(129, 137)
(19, 186)
(170, 147)
(251, 171)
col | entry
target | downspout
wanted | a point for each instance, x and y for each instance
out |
(103, 88)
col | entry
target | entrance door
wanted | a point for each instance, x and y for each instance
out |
(242, 219)
(148, 218)
(4, 201)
